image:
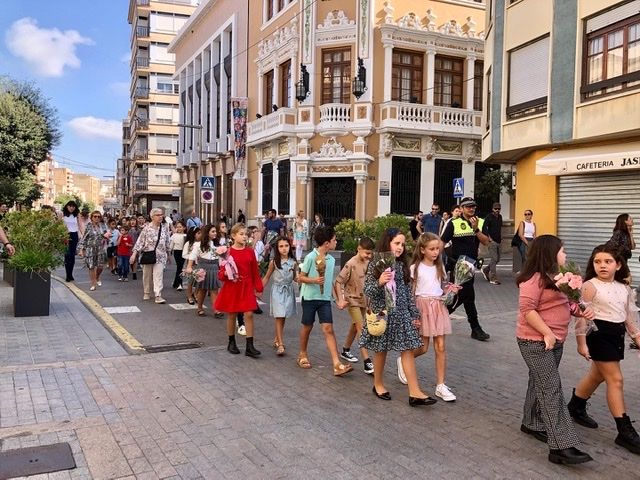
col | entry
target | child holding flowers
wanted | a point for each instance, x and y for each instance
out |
(614, 305)
(543, 323)
(400, 335)
(207, 255)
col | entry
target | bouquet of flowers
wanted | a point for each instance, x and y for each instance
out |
(463, 271)
(569, 282)
(385, 262)
(196, 276)
(230, 268)
(321, 267)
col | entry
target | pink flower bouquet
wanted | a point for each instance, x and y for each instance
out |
(569, 282)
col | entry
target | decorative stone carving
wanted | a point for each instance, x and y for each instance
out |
(331, 148)
(336, 18)
(388, 12)
(470, 28)
(410, 144)
(387, 144)
(410, 20)
(363, 28)
(286, 37)
(332, 169)
(451, 28)
(307, 14)
(429, 146)
(431, 20)
(448, 147)
(471, 150)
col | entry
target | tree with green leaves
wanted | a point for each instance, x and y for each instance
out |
(23, 189)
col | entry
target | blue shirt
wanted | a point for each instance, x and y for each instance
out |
(274, 225)
(311, 291)
(193, 222)
(431, 223)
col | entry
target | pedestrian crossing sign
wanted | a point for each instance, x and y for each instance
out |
(208, 183)
(458, 187)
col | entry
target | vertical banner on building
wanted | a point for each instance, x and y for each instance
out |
(239, 109)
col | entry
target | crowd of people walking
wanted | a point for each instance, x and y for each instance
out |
(395, 298)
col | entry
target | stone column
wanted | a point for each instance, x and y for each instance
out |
(361, 197)
(431, 67)
(388, 64)
(470, 70)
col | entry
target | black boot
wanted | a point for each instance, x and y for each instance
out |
(232, 347)
(251, 351)
(627, 435)
(578, 410)
(569, 456)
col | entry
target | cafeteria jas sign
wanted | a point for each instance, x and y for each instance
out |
(622, 156)
(609, 164)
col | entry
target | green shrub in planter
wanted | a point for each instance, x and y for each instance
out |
(40, 240)
(349, 232)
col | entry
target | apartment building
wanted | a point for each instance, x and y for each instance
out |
(87, 187)
(211, 70)
(150, 162)
(362, 108)
(45, 178)
(63, 181)
(564, 107)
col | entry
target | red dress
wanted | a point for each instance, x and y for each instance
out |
(240, 296)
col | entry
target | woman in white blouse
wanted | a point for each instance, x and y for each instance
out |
(526, 232)
(70, 219)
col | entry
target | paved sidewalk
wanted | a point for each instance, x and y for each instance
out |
(207, 414)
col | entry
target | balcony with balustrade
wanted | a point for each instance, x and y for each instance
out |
(335, 119)
(415, 118)
(278, 124)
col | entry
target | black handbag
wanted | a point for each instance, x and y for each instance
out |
(516, 241)
(149, 258)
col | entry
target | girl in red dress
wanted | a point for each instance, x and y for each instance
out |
(239, 291)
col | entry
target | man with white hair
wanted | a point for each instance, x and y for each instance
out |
(193, 220)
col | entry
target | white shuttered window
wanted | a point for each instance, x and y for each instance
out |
(528, 77)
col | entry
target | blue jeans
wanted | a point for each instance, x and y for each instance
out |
(123, 266)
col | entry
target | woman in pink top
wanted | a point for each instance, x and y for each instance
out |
(543, 321)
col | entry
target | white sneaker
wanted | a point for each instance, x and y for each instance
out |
(242, 330)
(401, 376)
(160, 300)
(444, 393)
(179, 287)
(146, 297)
(99, 284)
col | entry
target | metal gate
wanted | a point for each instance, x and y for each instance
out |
(334, 199)
(445, 172)
(405, 185)
(588, 206)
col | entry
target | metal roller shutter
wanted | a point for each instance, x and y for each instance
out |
(588, 206)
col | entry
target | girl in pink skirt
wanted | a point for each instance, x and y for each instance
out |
(427, 272)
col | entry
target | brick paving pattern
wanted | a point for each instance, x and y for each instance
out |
(207, 414)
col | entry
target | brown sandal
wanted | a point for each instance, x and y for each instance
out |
(341, 369)
(280, 349)
(201, 313)
(303, 362)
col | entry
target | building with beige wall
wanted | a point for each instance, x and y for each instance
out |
(63, 181)
(45, 177)
(211, 70)
(152, 180)
(564, 107)
(87, 187)
(398, 144)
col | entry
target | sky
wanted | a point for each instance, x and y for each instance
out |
(77, 53)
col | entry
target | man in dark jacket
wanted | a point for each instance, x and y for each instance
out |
(493, 224)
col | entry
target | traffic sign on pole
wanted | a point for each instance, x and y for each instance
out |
(206, 196)
(207, 183)
(458, 187)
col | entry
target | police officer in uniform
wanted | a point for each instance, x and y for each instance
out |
(465, 234)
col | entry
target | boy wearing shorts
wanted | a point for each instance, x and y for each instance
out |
(348, 290)
(315, 294)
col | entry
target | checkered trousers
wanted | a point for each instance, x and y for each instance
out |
(544, 405)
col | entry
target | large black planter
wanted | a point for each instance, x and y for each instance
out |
(7, 273)
(31, 294)
(345, 257)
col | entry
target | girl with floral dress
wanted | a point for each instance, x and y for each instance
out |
(283, 300)
(193, 235)
(400, 334)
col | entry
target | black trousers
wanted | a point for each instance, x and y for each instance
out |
(177, 256)
(467, 297)
(70, 255)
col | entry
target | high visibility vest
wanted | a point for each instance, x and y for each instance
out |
(462, 228)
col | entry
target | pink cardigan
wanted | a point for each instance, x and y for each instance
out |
(553, 306)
